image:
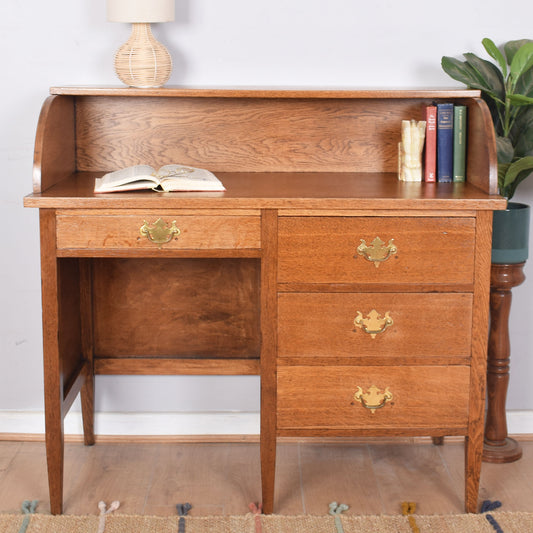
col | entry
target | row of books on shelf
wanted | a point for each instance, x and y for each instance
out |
(434, 150)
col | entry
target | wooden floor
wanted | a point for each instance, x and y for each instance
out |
(223, 478)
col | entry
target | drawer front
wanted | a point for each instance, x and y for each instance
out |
(413, 250)
(373, 397)
(374, 324)
(154, 230)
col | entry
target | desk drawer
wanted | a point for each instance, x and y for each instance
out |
(156, 230)
(413, 250)
(374, 324)
(414, 397)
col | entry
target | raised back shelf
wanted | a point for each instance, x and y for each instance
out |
(234, 131)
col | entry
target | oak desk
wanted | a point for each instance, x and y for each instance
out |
(361, 301)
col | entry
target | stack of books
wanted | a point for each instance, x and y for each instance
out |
(445, 150)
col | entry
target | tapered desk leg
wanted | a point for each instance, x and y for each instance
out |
(473, 457)
(87, 408)
(53, 378)
(268, 469)
(269, 239)
(55, 452)
(87, 334)
(498, 447)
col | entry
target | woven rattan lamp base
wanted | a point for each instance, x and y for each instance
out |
(143, 61)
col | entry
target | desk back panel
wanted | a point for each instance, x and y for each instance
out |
(176, 307)
(234, 135)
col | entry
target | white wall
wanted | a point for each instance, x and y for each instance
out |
(311, 43)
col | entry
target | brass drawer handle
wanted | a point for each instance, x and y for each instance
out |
(160, 232)
(374, 323)
(374, 398)
(377, 251)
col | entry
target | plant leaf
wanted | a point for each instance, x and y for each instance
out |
(488, 75)
(463, 72)
(504, 150)
(502, 169)
(515, 168)
(459, 71)
(522, 132)
(495, 53)
(520, 99)
(510, 48)
(522, 61)
(524, 85)
(510, 190)
(494, 108)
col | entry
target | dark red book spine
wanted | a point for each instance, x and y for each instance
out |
(430, 158)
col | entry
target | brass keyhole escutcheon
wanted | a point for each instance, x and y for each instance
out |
(159, 232)
(377, 251)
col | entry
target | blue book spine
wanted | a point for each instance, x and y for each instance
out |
(444, 143)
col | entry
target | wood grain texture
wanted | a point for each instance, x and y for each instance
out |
(201, 308)
(69, 333)
(480, 125)
(269, 238)
(424, 398)
(198, 472)
(424, 325)
(508, 483)
(108, 231)
(308, 174)
(53, 368)
(54, 153)
(87, 344)
(416, 474)
(498, 447)
(371, 476)
(175, 91)
(123, 472)
(474, 441)
(175, 366)
(259, 134)
(309, 191)
(324, 250)
(342, 470)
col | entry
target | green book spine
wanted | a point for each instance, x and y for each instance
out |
(459, 143)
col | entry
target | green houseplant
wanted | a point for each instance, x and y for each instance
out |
(507, 87)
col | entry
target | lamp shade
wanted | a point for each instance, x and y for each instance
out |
(140, 10)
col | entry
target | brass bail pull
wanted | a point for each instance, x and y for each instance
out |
(373, 324)
(159, 232)
(377, 251)
(373, 398)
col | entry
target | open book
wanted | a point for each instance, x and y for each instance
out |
(167, 178)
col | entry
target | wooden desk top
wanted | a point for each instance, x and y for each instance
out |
(266, 92)
(278, 190)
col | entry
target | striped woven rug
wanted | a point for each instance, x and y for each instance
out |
(508, 522)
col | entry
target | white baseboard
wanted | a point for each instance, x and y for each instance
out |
(520, 422)
(197, 423)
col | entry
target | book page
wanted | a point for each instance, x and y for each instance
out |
(130, 175)
(186, 178)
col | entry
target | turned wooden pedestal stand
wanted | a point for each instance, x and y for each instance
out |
(498, 447)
